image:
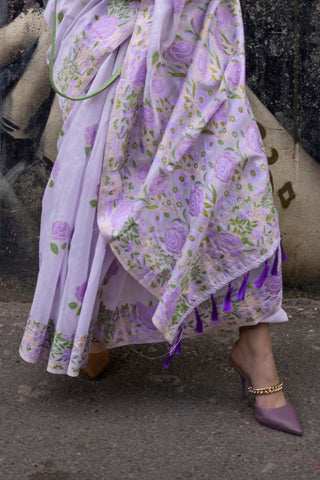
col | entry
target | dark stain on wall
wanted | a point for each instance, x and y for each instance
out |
(283, 64)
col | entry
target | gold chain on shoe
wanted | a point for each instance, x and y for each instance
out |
(266, 391)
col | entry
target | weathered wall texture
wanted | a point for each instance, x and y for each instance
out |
(283, 65)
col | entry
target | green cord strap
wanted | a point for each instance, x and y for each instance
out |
(107, 84)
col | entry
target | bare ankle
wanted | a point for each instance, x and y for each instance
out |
(255, 339)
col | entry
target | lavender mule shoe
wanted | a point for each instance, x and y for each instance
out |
(283, 418)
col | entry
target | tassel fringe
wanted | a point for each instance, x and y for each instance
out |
(283, 255)
(242, 289)
(274, 271)
(176, 347)
(227, 301)
(199, 326)
(214, 311)
(174, 350)
(263, 276)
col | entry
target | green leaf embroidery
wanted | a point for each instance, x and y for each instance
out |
(54, 248)
(72, 305)
(51, 183)
(155, 57)
(63, 246)
(93, 203)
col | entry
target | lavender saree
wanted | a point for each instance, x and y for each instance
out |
(158, 220)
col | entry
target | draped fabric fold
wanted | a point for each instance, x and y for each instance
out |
(160, 197)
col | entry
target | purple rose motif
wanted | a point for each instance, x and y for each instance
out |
(224, 166)
(56, 169)
(149, 117)
(195, 202)
(183, 148)
(215, 41)
(234, 74)
(222, 113)
(174, 237)
(141, 172)
(227, 243)
(180, 52)
(252, 136)
(80, 291)
(224, 16)
(145, 314)
(199, 20)
(159, 87)
(273, 284)
(202, 63)
(178, 5)
(103, 28)
(120, 215)
(171, 303)
(90, 134)
(65, 355)
(61, 231)
(138, 72)
(158, 184)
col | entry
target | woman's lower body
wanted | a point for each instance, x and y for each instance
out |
(86, 287)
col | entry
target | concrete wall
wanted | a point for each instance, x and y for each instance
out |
(283, 65)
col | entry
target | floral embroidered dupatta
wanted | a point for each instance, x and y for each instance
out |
(163, 172)
(185, 200)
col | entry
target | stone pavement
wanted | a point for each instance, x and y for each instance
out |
(143, 423)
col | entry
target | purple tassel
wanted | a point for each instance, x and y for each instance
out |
(177, 349)
(174, 350)
(263, 276)
(283, 255)
(227, 301)
(167, 361)
(199, 326)
(214, 313)
(274, 271)
(242, 289)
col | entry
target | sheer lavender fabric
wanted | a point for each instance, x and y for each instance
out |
(158, 216)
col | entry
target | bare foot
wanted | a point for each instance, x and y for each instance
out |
(253, 354)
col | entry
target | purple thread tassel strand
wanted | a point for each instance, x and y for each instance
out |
(274, 271)
(199, 326)
(227, 301)
(214, 311)
(167, 361)
(283, 255)
(242, 289)
(177, 349)
(174, 350)
(263, 276)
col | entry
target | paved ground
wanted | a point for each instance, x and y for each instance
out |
(140, 422)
